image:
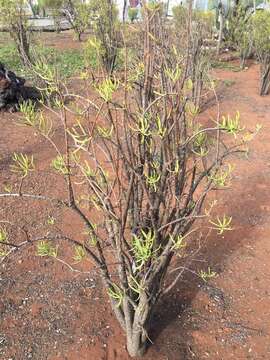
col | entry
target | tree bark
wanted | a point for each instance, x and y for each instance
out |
(79, 36)
(265, 79)
(124, 11)
(137, 334)
(221, 26)
(135, 347)
(20, 37)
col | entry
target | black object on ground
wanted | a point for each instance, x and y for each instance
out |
(13, 90)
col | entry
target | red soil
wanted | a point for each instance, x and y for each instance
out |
(48, 312)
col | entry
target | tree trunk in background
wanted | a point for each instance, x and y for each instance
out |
(167, 7)
(20, 36)
(265, 78)
(124, 11)
(221, 26)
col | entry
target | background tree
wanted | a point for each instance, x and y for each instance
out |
(55, 8)
(261, 35)
(221, 23)
(51, 4)
(75, 11)
(15, 20)
(124, 10)
(78, 15)
(238, 34)
(32, 6)
(43, 6)
(106, 31)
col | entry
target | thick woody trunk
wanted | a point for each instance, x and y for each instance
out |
(137, 334)
(137, 316)
(135, 346)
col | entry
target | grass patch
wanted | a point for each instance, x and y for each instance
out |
(68, 62)
(228, 82)
(9, 57)
(225, 65)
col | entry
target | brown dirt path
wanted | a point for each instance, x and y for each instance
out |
(49, 313)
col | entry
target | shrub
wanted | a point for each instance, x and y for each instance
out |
(106, 28)
(206, 19)
(76, 12)
(78, 15)
(180, 14)
(35, 9)
(13, 17)
(133, 14)
(261, 36)
(239, 32)
(143, 165)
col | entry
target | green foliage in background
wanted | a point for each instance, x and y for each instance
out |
(133, 14)
(68, 62)
(205, 19)
(261, 33)
(238, 32)
(13, 15)
(106, 29)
